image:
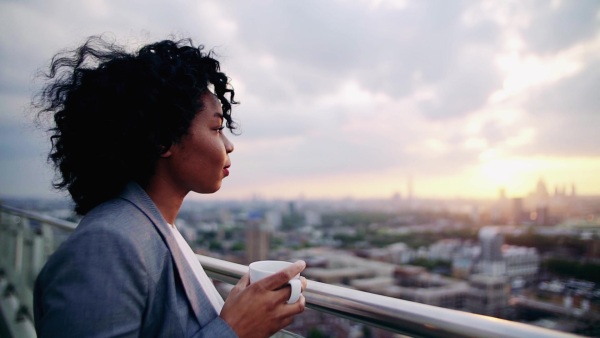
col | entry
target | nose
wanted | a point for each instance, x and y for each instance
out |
(228, 145)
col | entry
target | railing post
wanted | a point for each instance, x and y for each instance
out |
(4, 237)
(48, 240)
(16, 297)
(38, 255)
(18, 255)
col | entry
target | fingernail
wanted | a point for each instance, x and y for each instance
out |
(301, 264)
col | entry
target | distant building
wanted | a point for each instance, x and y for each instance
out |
(444, 249)
(541, 216)
(257, 241)
(485, 294)
(521, 262)
(417, 285)
(517, 211)
(273, 220)
(397, 253)
(464, 261)
(541, 190)
(340, 267)
(340, 276)
(498, 259)
(492, 261)
(488, 295)
(312, 218)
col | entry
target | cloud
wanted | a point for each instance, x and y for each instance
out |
(575, 95)
(557, 25)
(332, 89)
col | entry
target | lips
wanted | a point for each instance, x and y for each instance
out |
(226, 170)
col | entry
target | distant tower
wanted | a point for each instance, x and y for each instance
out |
(541, 194)
(492, 261)
(292, 207)
(517, 211)
(499, 210)
(541, 189)
(257, 242)
(491, 244)
(489, 292)
(542, 216)
(409, 188)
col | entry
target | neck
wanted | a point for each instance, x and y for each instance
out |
(166, 199)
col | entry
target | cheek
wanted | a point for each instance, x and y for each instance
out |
(217, 150)
(211, 153)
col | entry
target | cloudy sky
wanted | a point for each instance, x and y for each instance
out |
(351, 98)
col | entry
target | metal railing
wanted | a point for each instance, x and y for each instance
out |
(27, 239)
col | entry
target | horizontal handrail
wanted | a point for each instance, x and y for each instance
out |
(55, 222)
(396, 315)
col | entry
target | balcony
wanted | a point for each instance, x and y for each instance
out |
(27, 239)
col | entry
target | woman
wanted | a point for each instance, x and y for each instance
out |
(133, 135)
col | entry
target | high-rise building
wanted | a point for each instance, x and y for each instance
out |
(517, 211)
(491, 244)
(492, 261)
(541, 195)
(541, 189)
(409, 188)
(257, 242)
(542, 216)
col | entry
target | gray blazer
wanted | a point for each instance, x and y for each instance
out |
(121, 274)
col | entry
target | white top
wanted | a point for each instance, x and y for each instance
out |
(209, 288)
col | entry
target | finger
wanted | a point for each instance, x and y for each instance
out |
(295, 308)
(244, 281)
(304, 283)
(283, 294)
(277, 280)
(239, 286)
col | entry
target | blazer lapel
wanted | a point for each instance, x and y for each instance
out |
(195, 295)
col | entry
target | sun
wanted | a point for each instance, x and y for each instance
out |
(506, 172)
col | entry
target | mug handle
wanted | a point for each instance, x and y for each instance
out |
(296, 286)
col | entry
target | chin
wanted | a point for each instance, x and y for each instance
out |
(210, 190)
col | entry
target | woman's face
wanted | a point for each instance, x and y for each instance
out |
(200, 161)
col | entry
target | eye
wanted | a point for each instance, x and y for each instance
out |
(220, 129)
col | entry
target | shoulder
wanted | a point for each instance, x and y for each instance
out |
(115, 232)
(117, 214)
(109, 261)
(117, 218)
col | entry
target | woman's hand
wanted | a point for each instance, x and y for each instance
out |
(260, 309)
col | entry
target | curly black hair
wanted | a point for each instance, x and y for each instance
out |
(115, 112)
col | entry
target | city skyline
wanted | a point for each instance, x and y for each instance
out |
(350, 99)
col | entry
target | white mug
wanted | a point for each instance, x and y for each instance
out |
(262, 269)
